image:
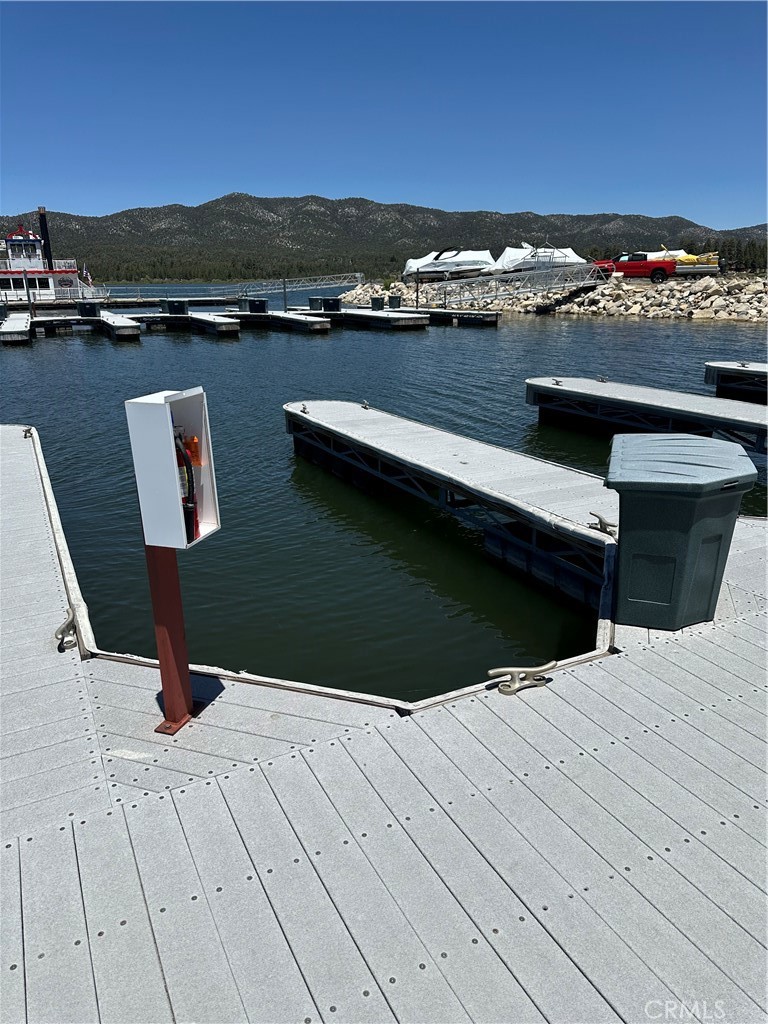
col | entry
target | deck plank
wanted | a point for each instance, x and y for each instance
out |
(668, 953)
(59, 974)
(198, 977)
(53, 810)
(14, 1002)
(671, 746)
(56, 781)
(621, 977)
(176, 758)
(333, 967)
(44, 759)
(707, 919)
(403, 967)
(129, 979)
(196, 736)
(145, 776)
(662, 813)
(681, 664)
(42, 737)
(453, 897)
(268, 977)
(638, 673)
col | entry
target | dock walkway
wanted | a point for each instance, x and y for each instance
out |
(15, 328)
(588, 851)
(462, 317)
(354, 316)
(317, 323)
(747, 382)
(530, 502)
(627, 406)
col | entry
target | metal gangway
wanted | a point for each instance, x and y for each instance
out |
(300, 284)
(498, 287)
(237, 289)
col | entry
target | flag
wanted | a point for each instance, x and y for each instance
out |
(87, 277)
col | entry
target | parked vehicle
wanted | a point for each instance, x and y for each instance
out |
(643, 264)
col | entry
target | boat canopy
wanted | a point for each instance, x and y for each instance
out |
(448, 261)
(510, 259)
(529, 258)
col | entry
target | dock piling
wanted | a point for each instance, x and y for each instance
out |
(168, 613)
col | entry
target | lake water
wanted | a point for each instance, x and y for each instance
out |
(310, 579)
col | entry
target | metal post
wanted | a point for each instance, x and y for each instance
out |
(26, 290)
(417, 288)
(168, 613)
(285, 298)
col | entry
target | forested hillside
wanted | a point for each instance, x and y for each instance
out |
(242, 237)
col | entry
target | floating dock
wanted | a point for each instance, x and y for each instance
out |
(389, 319)
(302, 322)
(534, 515)
(590, 850)
(460, 317)
(19, 328)
(621, 407)
(16, 329)
(214, 323)
(119, 327)
(743, 381)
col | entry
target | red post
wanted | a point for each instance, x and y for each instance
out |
(168, 612)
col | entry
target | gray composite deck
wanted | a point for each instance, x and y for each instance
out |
(509, 478)
(592, 850)
(724, 411)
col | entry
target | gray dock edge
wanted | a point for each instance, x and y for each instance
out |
(89, 648)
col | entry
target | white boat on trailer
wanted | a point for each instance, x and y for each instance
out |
(447, 265)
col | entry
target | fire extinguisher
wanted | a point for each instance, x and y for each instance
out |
(188, 496)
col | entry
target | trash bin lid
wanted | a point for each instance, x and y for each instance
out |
(683, 463)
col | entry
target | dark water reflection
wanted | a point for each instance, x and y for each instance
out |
(309, 578)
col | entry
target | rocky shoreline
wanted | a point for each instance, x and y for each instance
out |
(727, 297)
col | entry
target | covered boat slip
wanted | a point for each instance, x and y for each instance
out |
(627, 406)
(588, 851)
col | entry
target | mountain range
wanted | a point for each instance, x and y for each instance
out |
(240, 237)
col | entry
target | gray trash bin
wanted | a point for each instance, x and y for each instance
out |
(395, 301)
(88, 308)
(248, 305)
(377, 302)
(679, 497)
(332, 304)
(175, 307)
(315, 302)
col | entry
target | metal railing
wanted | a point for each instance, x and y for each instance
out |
(502, 286)
(37, 263)
(30, 263)
(236, 290)
(78, 291)
(297, 284)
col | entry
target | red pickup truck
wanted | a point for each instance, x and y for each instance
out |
(637, 264)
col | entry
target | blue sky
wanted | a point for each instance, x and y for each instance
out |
(654, 107)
